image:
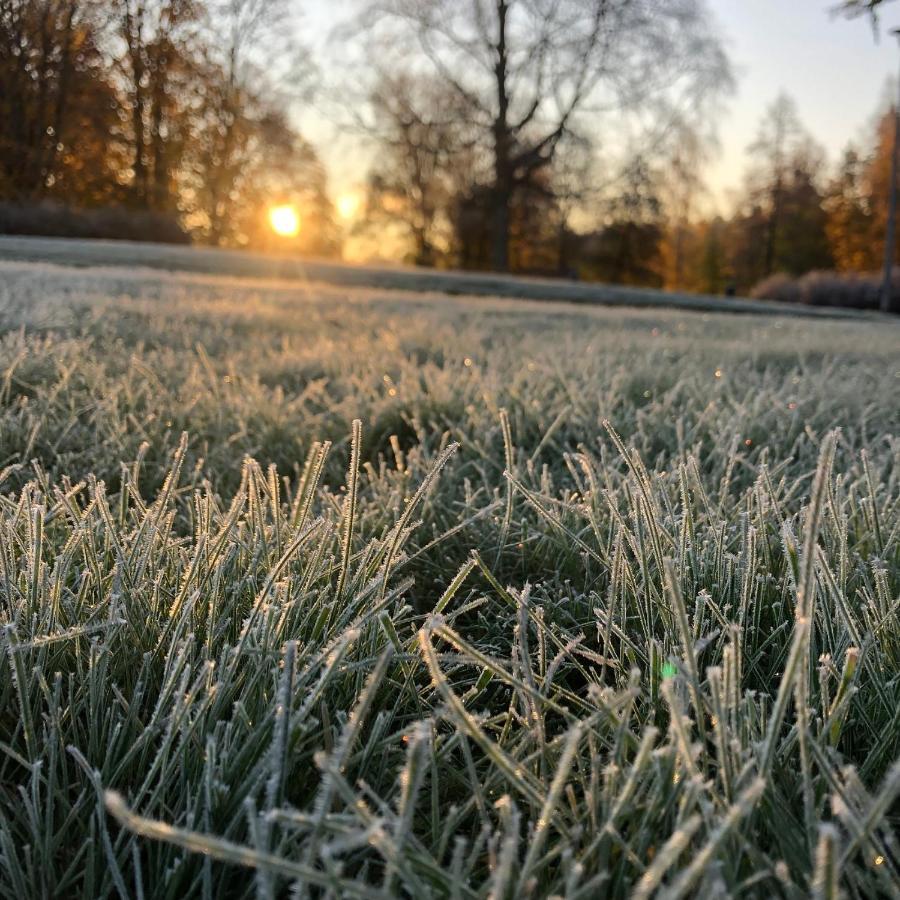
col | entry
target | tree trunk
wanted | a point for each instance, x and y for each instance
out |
(562, 256)
(137, 124)
(160, 193)
(501, 194)
(772, 229)
(500, 203)
(424, 252)
(62, 92)
(221, 175)
(159, 199)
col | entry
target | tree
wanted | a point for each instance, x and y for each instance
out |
(851, 226)
(286, 169)
(875, 178)
(783, 198)
(529, 72)
(780, 138)
(627, 249)
(533, 229)
(246, 60)
(574, 188)
(854, 8)
(171, 107)
(57, 104)
(157, 66)
(803, 240)
(713, 273)
(680, 193)
(414, 124)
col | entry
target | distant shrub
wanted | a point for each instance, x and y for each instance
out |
(778, 287)
(110, 223)
(845, 289)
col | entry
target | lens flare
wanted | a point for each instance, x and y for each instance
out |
(348, 205)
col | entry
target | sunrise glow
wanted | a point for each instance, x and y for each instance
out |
(348, 205)
(285, 220)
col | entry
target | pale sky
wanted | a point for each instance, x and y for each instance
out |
(834, 69)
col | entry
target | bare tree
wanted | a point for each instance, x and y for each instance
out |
(156, 67)
(853, 8)
(415, 124)
(251, 65)
(529, 72)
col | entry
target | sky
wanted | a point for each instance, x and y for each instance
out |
(834, 68)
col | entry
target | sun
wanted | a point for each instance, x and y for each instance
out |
(285, 220)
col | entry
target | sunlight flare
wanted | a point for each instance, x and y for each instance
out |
(285, 220)
(348, 205)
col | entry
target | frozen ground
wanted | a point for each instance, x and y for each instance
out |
(244, 264)
(325, 591)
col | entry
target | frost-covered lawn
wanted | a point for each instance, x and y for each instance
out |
(592, 603)
(245, 264)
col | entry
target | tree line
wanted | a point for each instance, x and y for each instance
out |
(563, 137)
(483, 110)
(174, 109)
(508, 124)
(795, 212)
(582, 170)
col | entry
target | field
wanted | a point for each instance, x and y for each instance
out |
(241, 263)
(319, 591)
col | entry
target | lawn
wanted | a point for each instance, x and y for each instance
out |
(320, 591)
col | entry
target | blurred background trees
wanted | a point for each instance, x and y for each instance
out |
(780, 222)
(550, 137)
(416, 125)
(171, 114)
(58, 102)
(528, 74)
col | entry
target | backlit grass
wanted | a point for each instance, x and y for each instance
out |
(363, 594)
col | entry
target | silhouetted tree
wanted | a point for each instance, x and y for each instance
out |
(533, 246)
(286, 169)
(414, 123)
(779, 140)
(627, 249)
(250, 65)
(850, 225)
(714, 275)
(57, 102)
(157, 67)
(853, 8)
(680, 193)
(530, 71)
(783, 217)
